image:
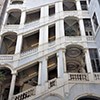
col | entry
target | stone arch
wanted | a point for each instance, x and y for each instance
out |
(14, 16)
(5, 81)
(53, 96)
(83, 90)
(88, 97)
(75, 59)
(8, 41)
(71, 26)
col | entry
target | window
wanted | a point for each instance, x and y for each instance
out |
(69, 5)
(14, 17)
(94, 60)
(88, 27)
(71, 27)
(30, 42)
(83, 5)
(17, 2)
(51, 32)
(52, 67)
(32, 16)
(51, 10)
(95, 21)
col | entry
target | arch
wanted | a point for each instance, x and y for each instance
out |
(88, 97)
(71, 26)
(8, 41)
(75, 59)
(53, 96)
(14, 16)
(5, 65)
(5, 81)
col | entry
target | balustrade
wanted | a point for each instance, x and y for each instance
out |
(97, 76)
(52, 83)
(4, 57)
(25, 94)
(78, 77)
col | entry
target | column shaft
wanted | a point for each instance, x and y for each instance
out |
(60, 64)
(12, 86)
(18, 44)
(88, 62)
(40, 74)
(78, 5)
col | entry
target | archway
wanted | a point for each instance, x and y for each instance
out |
(75, 60)
(5, 81)
(89, 98)
(71, 26)
(8, 43)
(14, 17)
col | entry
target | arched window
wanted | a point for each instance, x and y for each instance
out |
(14, 17)
(71, 27)
(8, 43)
(69, 5)
(5, 81)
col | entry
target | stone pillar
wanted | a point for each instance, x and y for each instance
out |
(22, 19)
(12, 86)
(40, 73)
(44, 71)
(88, 62)
(43, 37)
(64, 60)
(78, 5)
(59, 29)
(19, 44)
(81, 26)
(44, 11)
(59, 7)
(60, 63)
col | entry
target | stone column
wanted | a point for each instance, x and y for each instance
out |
(78, 5)
(59, 29)
(40, 73)
(81, 26)
(19, 44)
(60, 63)
(64, 60)
(59, 7)
(44, 71)
(88, 61)
(12, 86)
(22, 19)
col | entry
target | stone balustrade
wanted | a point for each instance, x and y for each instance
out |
(97, 76)
(52, 83)
(6, 57)
(26, 94)
(78, 77)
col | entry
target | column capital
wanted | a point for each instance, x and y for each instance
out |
(14, 73)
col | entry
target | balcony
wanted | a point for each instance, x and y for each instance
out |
(56, 83)
(26, 94)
